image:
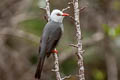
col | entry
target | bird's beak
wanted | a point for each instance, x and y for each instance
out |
(65, 14)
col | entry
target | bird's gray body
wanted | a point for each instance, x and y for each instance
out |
(51, 35)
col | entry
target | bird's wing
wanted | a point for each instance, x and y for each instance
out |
(40, 45)
(53, 40)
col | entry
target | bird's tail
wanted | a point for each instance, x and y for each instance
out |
(39, 67)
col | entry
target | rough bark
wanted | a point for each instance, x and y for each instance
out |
(79, 44)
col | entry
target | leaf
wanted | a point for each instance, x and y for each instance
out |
(106, 28)
(112, 32)
(117, 30)
(98, 74)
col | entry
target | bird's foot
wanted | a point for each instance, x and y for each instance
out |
(54, 51)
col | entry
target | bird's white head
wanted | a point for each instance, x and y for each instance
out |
(57, 15)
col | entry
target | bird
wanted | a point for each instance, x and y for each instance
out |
(51, 35)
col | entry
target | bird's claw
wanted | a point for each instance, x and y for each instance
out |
(54, 51)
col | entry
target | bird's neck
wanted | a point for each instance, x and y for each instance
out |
(60, 24)
(57, 19)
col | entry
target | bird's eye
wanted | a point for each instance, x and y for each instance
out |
(58, 14)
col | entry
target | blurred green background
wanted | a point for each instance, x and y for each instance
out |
(21, 25)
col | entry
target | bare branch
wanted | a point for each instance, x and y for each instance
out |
(72, 18)
(73, 45)
(66, 77)
(46, 17)
(43, 8)
(56, 70)
(68, 7)
(48, 9)
(82, 9)
(79, 36)
(70, 2)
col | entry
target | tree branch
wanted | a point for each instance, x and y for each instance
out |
(66, 77)
(82, 9)
(48, 9)
(68, 7)
(78, 35)
(73, 45)
(56, 70)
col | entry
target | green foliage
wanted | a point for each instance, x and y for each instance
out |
(69, 66)
(110, 31)
(98, 74)
(33, 59)
(116, 5)
(34, 26)
(117, 30)
(106, 28)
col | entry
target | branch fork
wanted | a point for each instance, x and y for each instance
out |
(56, 70)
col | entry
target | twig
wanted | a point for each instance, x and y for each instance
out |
(82, 9)
(72, 18)
(68, 7)
(73, 45)
(48, 9)
(70, 2)
(56, 70)
(78, 35)
(46, 17)
(43, 9)
(66, 77)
